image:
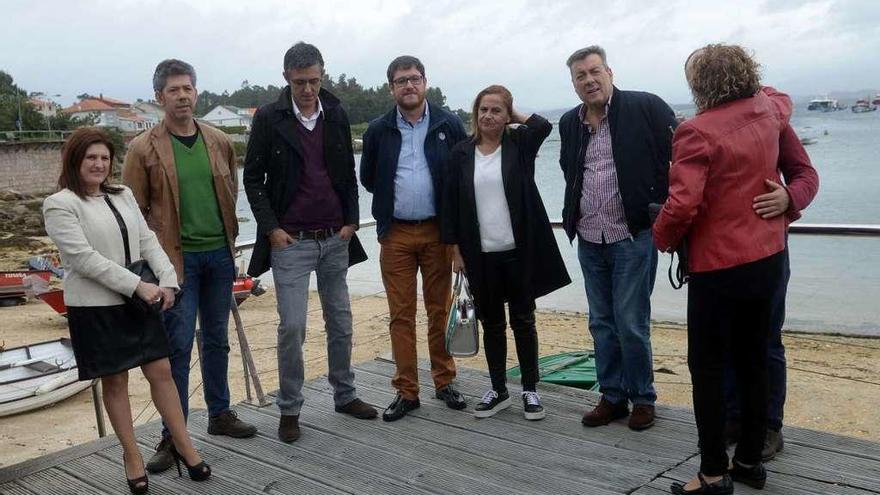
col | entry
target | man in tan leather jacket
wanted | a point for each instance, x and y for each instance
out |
(183, 176)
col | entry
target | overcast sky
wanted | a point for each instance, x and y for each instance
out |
(69, 47)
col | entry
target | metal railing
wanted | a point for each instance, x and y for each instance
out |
(33, 136)
(822, 229)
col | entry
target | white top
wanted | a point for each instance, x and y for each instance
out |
(308, 122)
(493, 214)
(88, 237)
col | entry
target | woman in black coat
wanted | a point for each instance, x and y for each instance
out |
(494, 218)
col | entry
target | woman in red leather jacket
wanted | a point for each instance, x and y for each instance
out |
(721, 159)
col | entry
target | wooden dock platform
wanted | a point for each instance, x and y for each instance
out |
(436, 450)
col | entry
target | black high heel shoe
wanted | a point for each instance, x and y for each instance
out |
(137, 486)
(199, 472)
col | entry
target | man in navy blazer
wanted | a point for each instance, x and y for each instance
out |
(403, 164)
(615, 154)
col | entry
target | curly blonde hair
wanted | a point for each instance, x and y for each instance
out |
(719, 73)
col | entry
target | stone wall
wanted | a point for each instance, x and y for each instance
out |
(30, 167)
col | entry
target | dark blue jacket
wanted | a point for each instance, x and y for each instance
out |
(641, 141)
(382, 149)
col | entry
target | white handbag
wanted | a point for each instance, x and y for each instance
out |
(462, 329)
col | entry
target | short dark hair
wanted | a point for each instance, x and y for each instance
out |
(302, 55)
(404, 62)
(583, 53)
(74, 152)
(171, 67)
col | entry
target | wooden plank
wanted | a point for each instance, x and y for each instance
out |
(41, 463)
(854, 447)
(100, 471)
(53, 481)
(584, 397)
(350, 466)
(13, 488)
(495, 460)
(250, 470)
(785, 476)
(830, 467)
(776, 485)
(570, 401)
(561, 456)
(670, 446)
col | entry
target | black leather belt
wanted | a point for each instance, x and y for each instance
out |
(414, 222)
(316, 235)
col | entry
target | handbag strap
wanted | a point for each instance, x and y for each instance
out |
(122, 229)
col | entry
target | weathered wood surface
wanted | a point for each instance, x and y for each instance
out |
(438, 450)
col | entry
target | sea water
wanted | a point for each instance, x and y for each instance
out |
(835, 281)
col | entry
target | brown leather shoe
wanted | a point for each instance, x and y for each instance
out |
(605, 413)
(359, 409)
(288, 428)
(642, 417)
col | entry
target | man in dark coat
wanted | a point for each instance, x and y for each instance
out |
(615, 154)
(404, 166)
(300, 181)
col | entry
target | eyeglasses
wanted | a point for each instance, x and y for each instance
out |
(401, 82)
(301, 83)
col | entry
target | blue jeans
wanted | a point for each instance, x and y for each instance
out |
(776, 373)
(291, 269)
(206, 291)
(619, 279)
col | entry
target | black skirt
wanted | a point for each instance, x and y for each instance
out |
(111, 339)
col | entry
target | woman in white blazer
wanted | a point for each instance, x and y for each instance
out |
(87, 219)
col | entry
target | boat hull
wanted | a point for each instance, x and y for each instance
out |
(38, 375)
(572, 369)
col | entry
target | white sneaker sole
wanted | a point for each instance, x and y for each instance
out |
(534, 416)
(488, 413)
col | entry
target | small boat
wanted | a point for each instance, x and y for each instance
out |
(12, 283)
(824, 105)
(876, 100)
(38, 375)
(863, 106)
(573, 369)
(806, 141)
(242, 288)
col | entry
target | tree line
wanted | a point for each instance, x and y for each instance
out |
(14, 103)
(362, 104)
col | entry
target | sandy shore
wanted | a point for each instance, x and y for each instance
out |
(834, 383)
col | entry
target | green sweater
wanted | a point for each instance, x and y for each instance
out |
(201, 225)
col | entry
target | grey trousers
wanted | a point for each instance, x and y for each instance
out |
(291, 268)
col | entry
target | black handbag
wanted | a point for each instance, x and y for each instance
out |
(682, 275)
(140, 268)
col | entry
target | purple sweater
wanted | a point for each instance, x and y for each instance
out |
(315, 204)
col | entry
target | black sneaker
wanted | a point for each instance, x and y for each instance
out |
(492, 403)
(227, 423)
(163, 458)
(532, 408)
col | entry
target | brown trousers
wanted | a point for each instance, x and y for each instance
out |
(404, 251)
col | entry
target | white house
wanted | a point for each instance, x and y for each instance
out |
(47, 108)
(110, 112)
(150, 111)
(229, 116)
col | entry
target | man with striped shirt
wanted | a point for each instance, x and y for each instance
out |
(615, 154)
